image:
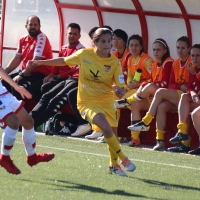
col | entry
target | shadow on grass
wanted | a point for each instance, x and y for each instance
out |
(168, 186)
(76, 186)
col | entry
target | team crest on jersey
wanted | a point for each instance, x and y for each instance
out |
(107, 68)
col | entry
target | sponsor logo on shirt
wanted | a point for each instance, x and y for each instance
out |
(107, 68)
(87, 62)
(94, 77)
(121, 78)
(93, 89)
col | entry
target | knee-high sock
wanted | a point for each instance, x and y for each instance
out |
(114, 145)
(113, 156)
(8, 139)
(182, 127)
(147, 118)
(135, 135)
(133, 98)
(29, 139)
(160, 134)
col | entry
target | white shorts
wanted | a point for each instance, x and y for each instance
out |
(9, 105)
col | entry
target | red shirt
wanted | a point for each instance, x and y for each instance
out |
(194, 81)
(66, 71)
(37, 46)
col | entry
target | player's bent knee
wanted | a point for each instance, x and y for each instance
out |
(13, 122)
(28, 123)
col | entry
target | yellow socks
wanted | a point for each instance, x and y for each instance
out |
(96, 128)
(182, 127)
(113, 156)
(135, 135)
(133, 98)
(160, 134)
(187, 142)
(114, 145)
(147, 118)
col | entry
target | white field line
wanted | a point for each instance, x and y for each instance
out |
(102, 155)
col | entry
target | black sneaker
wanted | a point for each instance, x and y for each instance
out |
(181, 148)
(121, 103)
(195, 152)
(179, 137)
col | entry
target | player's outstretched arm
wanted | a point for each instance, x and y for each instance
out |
(51, 62)
(24, 93)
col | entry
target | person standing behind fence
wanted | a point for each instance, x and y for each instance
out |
(98, 70)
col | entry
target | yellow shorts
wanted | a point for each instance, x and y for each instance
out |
(88, 111)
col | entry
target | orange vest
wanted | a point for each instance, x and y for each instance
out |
(181, 73)
(157, 71)
(124, 58)
(124, 61)
(139, 65)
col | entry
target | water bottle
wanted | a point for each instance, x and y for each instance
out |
(137, 75)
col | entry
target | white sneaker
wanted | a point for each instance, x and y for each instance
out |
(117, 170)
(81, 130)
(140, 126)
(94, 135)
(128, 165)
(100, 138)
(121, 103)
(159, 146)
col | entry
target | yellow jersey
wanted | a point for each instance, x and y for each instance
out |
(96, 76)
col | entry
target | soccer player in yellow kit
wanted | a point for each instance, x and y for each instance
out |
(95, 99)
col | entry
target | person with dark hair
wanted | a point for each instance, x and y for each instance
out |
(13, 114)
(166, 100)
(33, 46)
(98, 70)
(138, 61)
(108, 27)
(120, 38)
(91, 32)
(56, 92)
(160, 74)
(190, 101)
(58, 74)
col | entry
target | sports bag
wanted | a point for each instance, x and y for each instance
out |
(61, 124)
